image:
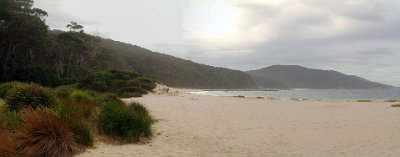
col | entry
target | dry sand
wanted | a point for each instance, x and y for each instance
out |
(205, 126)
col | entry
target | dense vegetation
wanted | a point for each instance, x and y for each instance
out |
(172, 71)
(122, 83)
(30, 52)
(72, 122)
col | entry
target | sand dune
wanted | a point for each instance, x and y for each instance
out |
(205, 126)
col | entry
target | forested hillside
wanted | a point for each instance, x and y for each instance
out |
(294, 76)
(171, 70)
(31, 52)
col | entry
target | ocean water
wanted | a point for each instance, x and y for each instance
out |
(314, 94)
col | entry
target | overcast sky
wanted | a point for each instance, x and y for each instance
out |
(360, 37)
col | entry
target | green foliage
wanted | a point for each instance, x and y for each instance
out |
(78, 114)
(32, 53)
(65, 91)
(72, 110)
(127, 123)
(30, 95)
(123, 83)
(9, 120)
(43, 74)
(109, 98)
(6, 87)
(81, 95)
(171, 70)
(82, 135)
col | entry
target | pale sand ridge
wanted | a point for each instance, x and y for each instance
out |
(206, 126)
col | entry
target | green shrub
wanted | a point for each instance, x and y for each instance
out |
(76, 114)
(80, 95)
(134, 90)
(30, 95)
(82, 135)
(123, 83)
(65, 91)
(6, 87)
(139, 109)
(9, 120)
(126, 123)
(109, 98)
(2, 105)
(71, 110)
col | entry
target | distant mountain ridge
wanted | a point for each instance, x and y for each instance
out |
(294, 76)
(171, 70)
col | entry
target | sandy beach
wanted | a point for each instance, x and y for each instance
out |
(205, 126)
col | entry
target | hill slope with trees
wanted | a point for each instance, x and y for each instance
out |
(170, 70)
(30, 52)
(294, 76)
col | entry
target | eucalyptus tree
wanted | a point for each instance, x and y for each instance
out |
(23, 34)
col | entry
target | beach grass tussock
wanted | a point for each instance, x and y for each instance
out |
(364, 101)
(129, 124)
(71, 110)
(82, 134)
(392, 100)
(6, 145)
(43, 134)
(30, 95)
(396, 105)
(78, 114)
(9, 120)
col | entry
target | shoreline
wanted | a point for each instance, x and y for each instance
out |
(300, 97)
(197, 125)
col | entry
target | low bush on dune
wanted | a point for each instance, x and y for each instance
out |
(78, 114)
(364, 101)
(392, 100)
(396, 105)
(44, 135)
(122, 83)
(6, 87)
(77, 110)
(30, 95)
(109, 98)
(127, 123)
(83, 95)
(65, 91)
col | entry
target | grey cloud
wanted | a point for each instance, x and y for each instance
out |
(352, 36)
(378, 51)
